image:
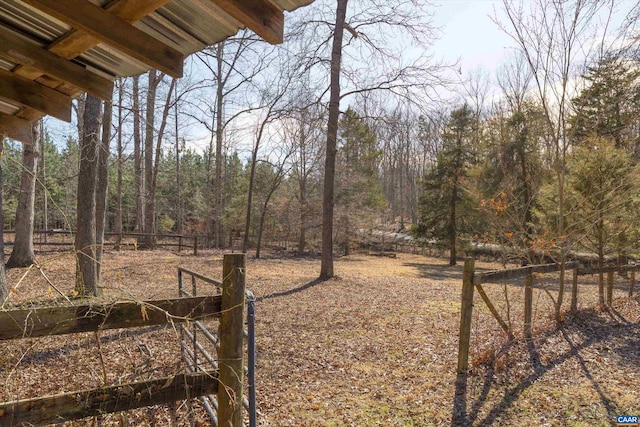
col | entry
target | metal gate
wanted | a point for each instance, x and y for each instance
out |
(200, 344)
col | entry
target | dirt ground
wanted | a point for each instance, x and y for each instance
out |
(375, 346)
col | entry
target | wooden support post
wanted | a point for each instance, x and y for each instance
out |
(609, 287)
(574, 291)
(632, 282)
(465, 314)
(528, 304)
(179, 244)
(195, 245)
(493, 310)
(231, 341)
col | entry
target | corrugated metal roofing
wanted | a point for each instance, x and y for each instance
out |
(187, 25)
(179, 27)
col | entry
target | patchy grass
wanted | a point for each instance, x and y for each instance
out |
(375, 346)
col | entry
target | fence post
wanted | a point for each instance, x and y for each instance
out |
(609, 287)
(179, 244)
(632, 281)
(465, 314)
(231, 341)
(251, 356)
(528, 303)
(574, 291)
(195, 245)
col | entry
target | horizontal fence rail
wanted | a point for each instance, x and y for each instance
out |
(201, 380)
(106, 400)
(180, 241)
(69, 319)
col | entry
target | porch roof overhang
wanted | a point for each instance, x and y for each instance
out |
(53, 50)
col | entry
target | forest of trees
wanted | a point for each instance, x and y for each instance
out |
(308, 145)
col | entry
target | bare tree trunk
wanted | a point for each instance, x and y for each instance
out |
(452, 225)
(178, 190)
(118, 220)
(149, 208)
(302, 240)
(102, 184)
(22, 254)
(137, 156)
(45, 199)
(4, 290)
(85, 242)
(219, 208)
(326, 267)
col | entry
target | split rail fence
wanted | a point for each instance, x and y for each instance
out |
(224, 379)
(65, 238)
(472, 282)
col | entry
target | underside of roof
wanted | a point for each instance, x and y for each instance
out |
(52, 50)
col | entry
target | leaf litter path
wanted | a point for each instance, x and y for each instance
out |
(378, 345)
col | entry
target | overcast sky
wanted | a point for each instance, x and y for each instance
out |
(469, 34)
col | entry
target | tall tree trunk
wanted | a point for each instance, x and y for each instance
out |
(452, 224)
(43, 168)
(85, 242)
(102, 184)
(219, 208)
(137, 156)
(118, 220)
(149, 214)
(4, 289)
(263, 215)
(302, 239)
(178, 190)
(326, 267)
(158, 153)
(22, 254)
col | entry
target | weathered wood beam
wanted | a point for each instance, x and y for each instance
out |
(513, 273)
(114, 31)
(76, 42)
(594, 270)
(23, 51)
(105, 400)
(69, 319)
(16, 128)
(261, 16)
(31, 94)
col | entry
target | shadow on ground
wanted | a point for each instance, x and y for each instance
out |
(437, 271)
(600, 335)
(288, 292)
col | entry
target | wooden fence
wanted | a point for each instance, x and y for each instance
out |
(202, 350)
(69, 319)
(474, 280)
(66, 238)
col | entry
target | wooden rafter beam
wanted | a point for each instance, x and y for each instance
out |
(261, 16)
(25, 52)
(77, 42)
(16, 128)
(114, 31)
(27, 93)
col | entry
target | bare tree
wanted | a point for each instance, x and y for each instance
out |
(233, 65)
(549, 35)
(102, 184)
(22, 254)
(152, 155)
(4, 290)
(85, 240)
(119, 189)
(272, 95)
(137, 156)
